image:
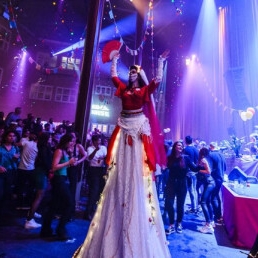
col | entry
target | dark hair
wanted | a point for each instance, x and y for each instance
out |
(204, 152)
(188, 139)
(64, 140)
(46, 125)
(172, 157)
(6, 133)
(43, 139)
(134, 67)
(78, 138)
(95, 137)
(140, 80)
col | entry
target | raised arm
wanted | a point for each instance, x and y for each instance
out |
(114, 65)
(161, 60)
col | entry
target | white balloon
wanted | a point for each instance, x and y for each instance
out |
(243, 116)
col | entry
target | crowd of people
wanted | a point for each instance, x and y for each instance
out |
(30, 158)
(124, 178)
(199, 170)
(40, 168)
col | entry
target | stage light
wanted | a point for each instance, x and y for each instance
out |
(24, 49)
(178, 11)
(187, 61)
(78, 45)
(193, 57)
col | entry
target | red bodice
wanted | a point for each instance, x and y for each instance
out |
(134, 98)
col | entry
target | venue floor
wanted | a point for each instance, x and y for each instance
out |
(17, 242)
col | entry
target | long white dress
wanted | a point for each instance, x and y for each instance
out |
(127, 222)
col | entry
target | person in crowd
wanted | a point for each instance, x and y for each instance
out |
(25, 174)
(66, 126)
(158, 179)
(2, 123)
(161, 179)
(104, 141)
(128, 209)
(29, 122)
(38, 127)
(25, 136)
(164, 178)
(19, 128)
(13, 116)
(58, 133)
(192, 152)
(96, 131)
(74, 172)
(201, 144)
(96, 154)
(43, 164)
(1, 134)
(61, 194)
(9, 160)
(199, 184)
(252, 145)
(46, 128)
(52, 125)
(208, 187)
(176, 187)
(218, 170)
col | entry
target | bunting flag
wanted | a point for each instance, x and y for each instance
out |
(31, 60)
(148, 30)
(48, 70)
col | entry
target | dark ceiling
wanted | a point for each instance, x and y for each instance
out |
(42, 21)
(66, 20)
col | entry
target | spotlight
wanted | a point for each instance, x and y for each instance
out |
(24, 49)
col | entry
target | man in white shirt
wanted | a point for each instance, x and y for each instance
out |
(25, 174)
(96, 154)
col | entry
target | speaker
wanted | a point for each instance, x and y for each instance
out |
(237, 174)
(240, 175)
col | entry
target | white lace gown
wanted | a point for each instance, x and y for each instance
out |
(128, 222)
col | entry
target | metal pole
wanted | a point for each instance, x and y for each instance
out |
(94, 23)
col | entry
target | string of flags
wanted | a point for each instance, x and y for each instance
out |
(9, 14)
(48, 71)
(148, 29)
(244, 114)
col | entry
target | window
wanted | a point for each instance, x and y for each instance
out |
(65, 95)
(70, 63)
(103, 90)
(41, 92)
(103, 128)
